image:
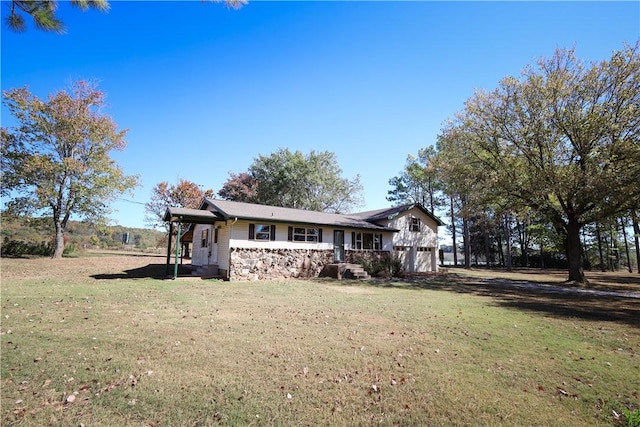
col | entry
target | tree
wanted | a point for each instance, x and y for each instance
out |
(185, 194)
(240, 187)
(418, 182)
(57, 159)
(564, 140)
(294, 180)
(43, 12)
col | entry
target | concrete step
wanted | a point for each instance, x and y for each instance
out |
(206, 271)
(355, 271)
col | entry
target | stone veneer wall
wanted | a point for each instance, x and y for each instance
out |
(260, 264)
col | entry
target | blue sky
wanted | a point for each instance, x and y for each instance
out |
(204, 89)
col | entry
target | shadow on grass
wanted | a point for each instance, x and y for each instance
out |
(150, 271)
(553, 300)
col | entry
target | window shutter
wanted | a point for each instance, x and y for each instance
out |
(319, 235)
(252, 231)
(290, 234)
(381, 247)
(273, 232)
(353, 240)
(215, 235)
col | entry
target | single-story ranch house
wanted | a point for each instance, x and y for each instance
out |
(245, 241)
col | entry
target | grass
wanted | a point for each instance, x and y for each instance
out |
(444, 350)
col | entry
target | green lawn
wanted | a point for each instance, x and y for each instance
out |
(92, 341)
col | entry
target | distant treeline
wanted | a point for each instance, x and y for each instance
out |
(32, 236)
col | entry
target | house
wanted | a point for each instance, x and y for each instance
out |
(245, 241)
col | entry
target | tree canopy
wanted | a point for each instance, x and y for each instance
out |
(57, 160)
(418, 182)
(294, 180)
(43, 12)
(563, 140)
(184, 194)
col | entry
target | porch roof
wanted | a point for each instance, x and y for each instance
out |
(191, 216)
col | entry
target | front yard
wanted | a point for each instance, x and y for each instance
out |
(99, 341)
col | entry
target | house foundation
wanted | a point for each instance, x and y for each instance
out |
(260, 264)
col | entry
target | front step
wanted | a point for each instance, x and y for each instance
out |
(355, 271)
(206, 271)
(343, 270)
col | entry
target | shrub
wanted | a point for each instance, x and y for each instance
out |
(384, 268)
(22, 248)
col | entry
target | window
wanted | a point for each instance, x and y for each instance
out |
(305, 234)
(262, 232)
(424, 249)
(414, 224)
(205, 238)
(302, 234)
(367, 241)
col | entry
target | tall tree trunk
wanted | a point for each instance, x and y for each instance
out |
(574, 251)
(599, 237)
(613, 254)
(59, 243)
(541, 256)
(431, 202)
(487, 248)
(626, 243)
(500, 248)
(636, 237)
(467, 242)
(453, 233)
(507, 237)
(585, 250)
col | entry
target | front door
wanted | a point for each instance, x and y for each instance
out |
(338, 245)
(214, 247)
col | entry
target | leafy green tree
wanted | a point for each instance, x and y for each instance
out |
(563, 140)
(418, 182)
(294, 180)
(57, 160)
(43, 12)
(184, 194)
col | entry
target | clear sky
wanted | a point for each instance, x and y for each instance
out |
(204, 89)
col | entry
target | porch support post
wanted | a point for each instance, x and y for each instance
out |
(175, 266)
(169, 248)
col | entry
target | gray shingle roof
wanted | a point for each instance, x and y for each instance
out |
(250, 211)
(390, 213)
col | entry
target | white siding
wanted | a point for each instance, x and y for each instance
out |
(427, 237)
(199, 255)
(223, 246)
(416, 257)
(240, 238)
